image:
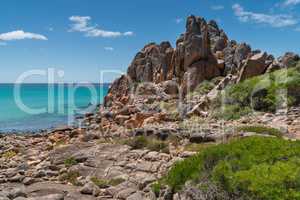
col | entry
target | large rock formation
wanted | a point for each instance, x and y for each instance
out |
(203, 52)
(119, 91)
(254, 66)
(196, 60)
(152, 63)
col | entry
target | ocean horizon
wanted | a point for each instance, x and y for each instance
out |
(31, 107)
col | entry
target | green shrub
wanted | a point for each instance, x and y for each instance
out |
(261, 93)
(231, 112)
(142, 142)
(71, 177)
(257, 167)
(116, 181)
(9, 155)
(156, 145)
(156, 188)
(69, 162)
(204, 87)
(139, 142)
(261, 130)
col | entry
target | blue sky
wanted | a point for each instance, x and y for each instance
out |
(83, 37)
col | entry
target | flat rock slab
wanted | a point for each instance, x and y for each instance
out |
(49, 189)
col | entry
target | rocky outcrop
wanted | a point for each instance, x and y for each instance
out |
(254, 66)
(119, 91)
(152, 63)
(189, 64)
(218, 38)
(198, 62)
(202, 52)
(289, 59)
(234, 54)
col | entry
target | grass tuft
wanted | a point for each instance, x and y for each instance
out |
(143, 142)
(71, 177)
(9, 155)
(69, 162)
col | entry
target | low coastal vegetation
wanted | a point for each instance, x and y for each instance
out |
(265, 93)
(202, 89)
(8, 155)
(152, 144)
(71, 177)
(69, 162)
(264, 168)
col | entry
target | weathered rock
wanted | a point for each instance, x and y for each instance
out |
(289, 59)
(230, 67)
(152, 63)
(49, 197)
(201, 137)
(198, 72)
(28, 181)
(241, 53)
(120, 88)
(171, 87)
(254, 66)
(17, 192)
(88, 189)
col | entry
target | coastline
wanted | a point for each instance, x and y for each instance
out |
(168, 132)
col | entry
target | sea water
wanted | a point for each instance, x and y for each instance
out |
(32, 107)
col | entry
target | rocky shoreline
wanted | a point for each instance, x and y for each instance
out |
(87, 164)
(152, 117)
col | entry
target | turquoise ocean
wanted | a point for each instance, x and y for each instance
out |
(34, 107)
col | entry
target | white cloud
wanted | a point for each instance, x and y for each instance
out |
(128, 33)
(178, 20)
(21, 35)
(109, 48)
(81, 24)
(260, 18)
(217, 7)
(291, 2)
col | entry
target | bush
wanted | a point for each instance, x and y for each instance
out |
(9, 155)
(261, 93)
(256, 167)
(202, 89)
(71, 177)
(139, 142)
(150, 143)
(69, 162)
(156, 188)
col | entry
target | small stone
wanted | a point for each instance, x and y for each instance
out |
(49, 197)
(17, 178)
(16, 192)
(124, 194)
(28, 181)
(88, 189)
